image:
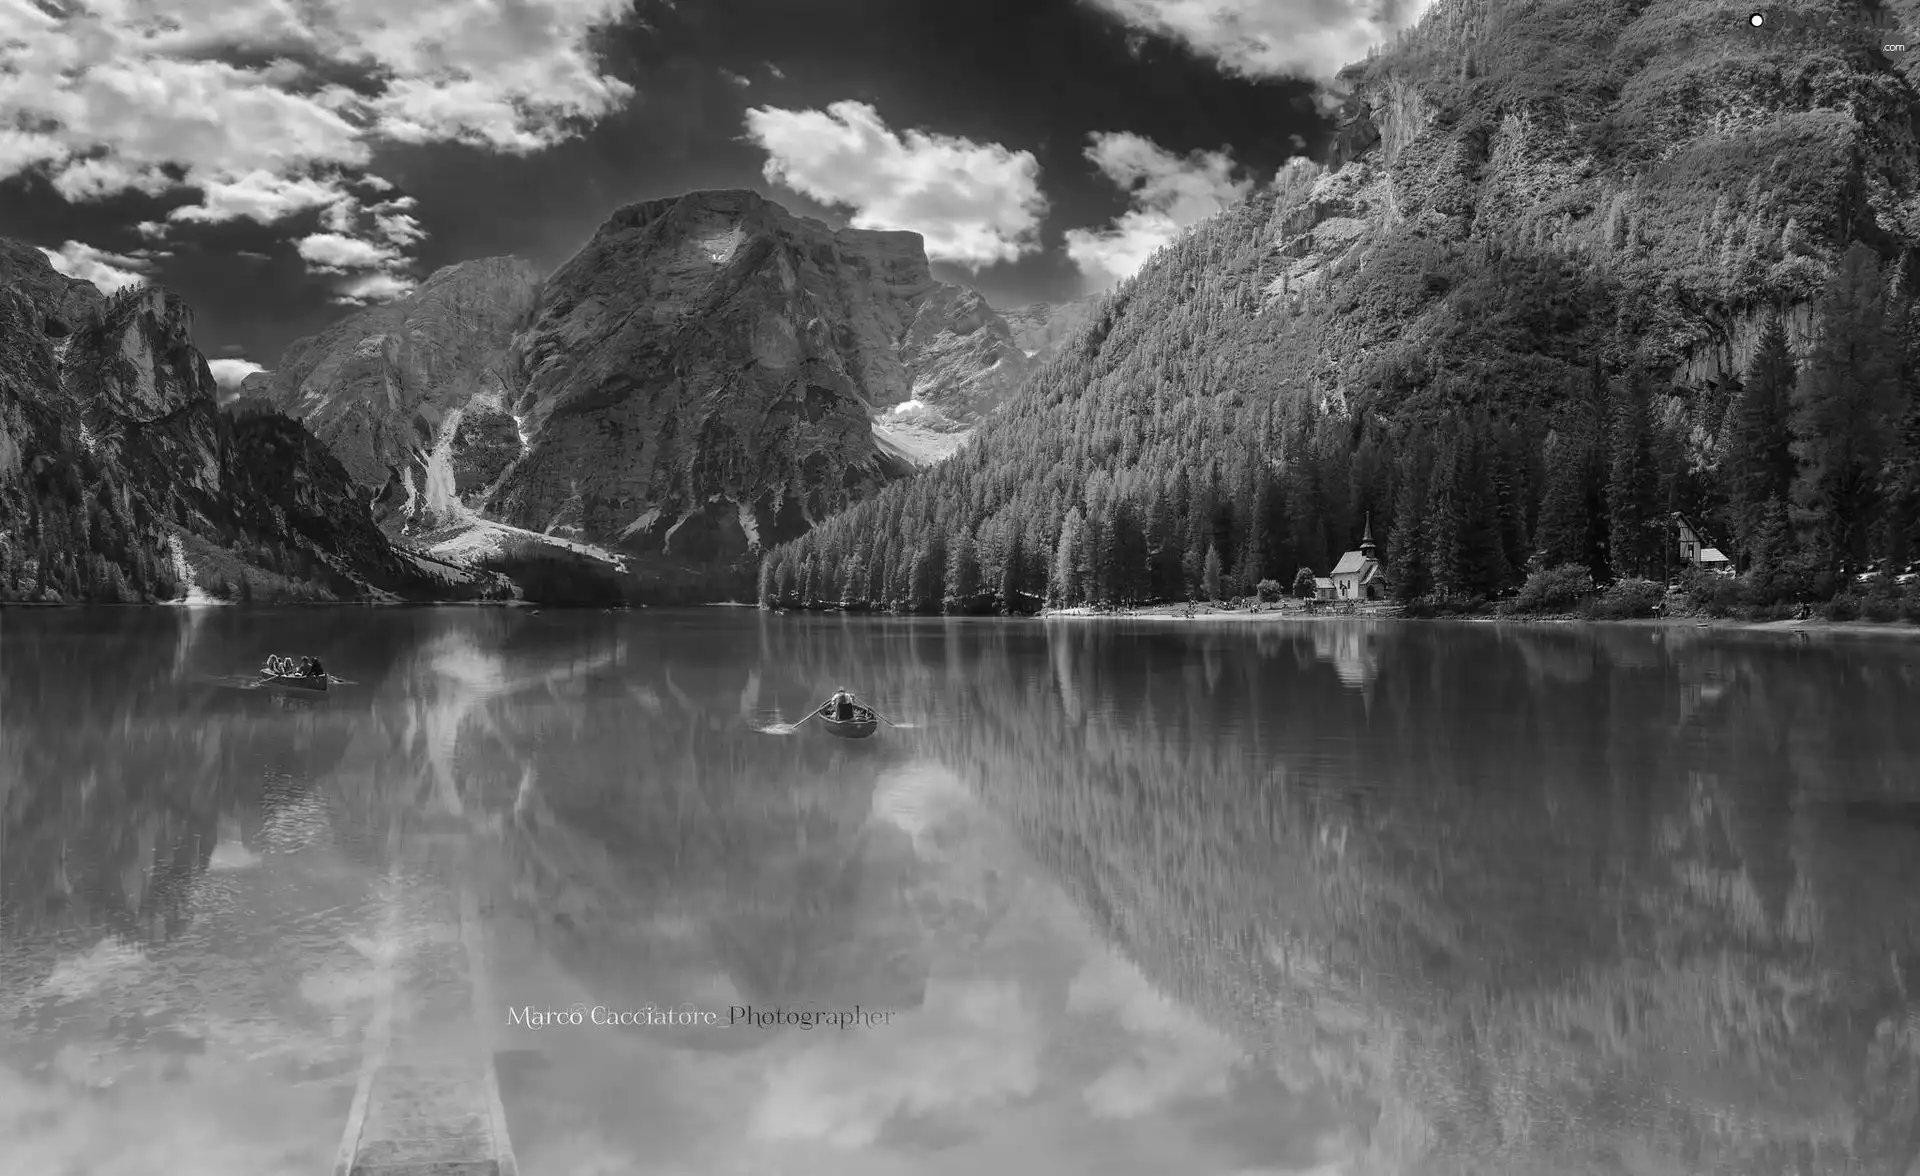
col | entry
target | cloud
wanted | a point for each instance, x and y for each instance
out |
(1168, 193)
(395, 223)
(103, 97)
(108, 271)
(1271, 38)
(333, 253)
(775, 72)
(974, 1045)
(376, 287)
(737, 79)
(1172, 1057)
(229, 372)
(976, 204)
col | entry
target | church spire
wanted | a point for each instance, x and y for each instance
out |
(1366, 538)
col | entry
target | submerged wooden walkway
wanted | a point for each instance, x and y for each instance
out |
(428, 1102)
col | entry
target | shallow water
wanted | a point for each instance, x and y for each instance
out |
(1335, 897)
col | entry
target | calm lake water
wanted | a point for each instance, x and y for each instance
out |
(1332, 897)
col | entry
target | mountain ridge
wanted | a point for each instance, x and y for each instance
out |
(123, 480)
(709, 373)
(1515, 321)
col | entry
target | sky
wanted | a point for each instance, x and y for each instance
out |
(279, 163)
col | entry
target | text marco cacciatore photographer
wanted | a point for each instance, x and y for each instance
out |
(653, 1016)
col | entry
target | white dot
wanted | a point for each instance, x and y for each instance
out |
(1757, 19)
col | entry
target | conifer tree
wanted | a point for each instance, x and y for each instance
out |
(1569, 526)
(1407, 566)
(1845, 415)
(1210, 574)
(1759, 463)
(1634, 527)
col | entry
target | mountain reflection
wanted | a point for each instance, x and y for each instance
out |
(1342, 896)
(1547, 899)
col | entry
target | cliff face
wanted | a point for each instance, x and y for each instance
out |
(708, 375)
(1624, 140)
(378, 388)
(119, 473)
(1042, 328)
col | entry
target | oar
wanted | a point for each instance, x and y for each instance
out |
(790, 727)
(889, 722)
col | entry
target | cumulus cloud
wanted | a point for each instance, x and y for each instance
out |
(104, 97)
(1168, 193)
(1173, 1055)
(975, 203)
(228, 373)
(1270, 38)
(974, 1045)
(374, 287)
(334, 253)
(108, 271)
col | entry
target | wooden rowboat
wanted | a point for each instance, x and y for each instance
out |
(298, 682)
(863, 723)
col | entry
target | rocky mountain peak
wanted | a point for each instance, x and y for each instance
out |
(64, 304)
(136, 363)
(709, 373)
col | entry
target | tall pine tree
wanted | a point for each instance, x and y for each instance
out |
(1845, 415)
(1759, 464)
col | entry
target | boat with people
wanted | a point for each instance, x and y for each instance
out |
(845, 716)
(301, 674)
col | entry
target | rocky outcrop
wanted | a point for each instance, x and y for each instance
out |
(62, 304)
(378, 388)
(709, 375)
(1039, 330)
(119, 470)
(1632, 164)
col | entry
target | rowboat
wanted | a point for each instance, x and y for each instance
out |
(297, 681)
(863, 723)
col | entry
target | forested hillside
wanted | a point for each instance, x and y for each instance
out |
(1572, 267)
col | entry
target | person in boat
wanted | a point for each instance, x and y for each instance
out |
(841, 706)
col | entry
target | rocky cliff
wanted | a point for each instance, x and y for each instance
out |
(708, 375)
(378, 388)
(121, 479)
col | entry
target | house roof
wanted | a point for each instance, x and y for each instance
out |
(1350, 563)
(1323, 581)
(1712, 555)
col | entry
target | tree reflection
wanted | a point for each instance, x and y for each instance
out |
(1553, 893)
(125, 746)
(1529, 899)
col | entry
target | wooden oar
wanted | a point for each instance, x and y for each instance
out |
(889, 722)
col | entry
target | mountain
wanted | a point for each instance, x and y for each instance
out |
(708, 375)
(1042, 328)
(1568, 267)
(377, 387)
(122, 479)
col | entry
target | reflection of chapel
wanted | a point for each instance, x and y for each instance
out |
(1358, 575)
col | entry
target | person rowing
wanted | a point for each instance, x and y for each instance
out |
(840, 707)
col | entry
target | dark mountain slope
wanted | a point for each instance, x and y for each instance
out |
(1510, 322)
(121, 479)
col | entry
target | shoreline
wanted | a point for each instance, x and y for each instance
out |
(1903, 629)
(1153, 612)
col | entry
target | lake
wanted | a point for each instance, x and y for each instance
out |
(1332, 896)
